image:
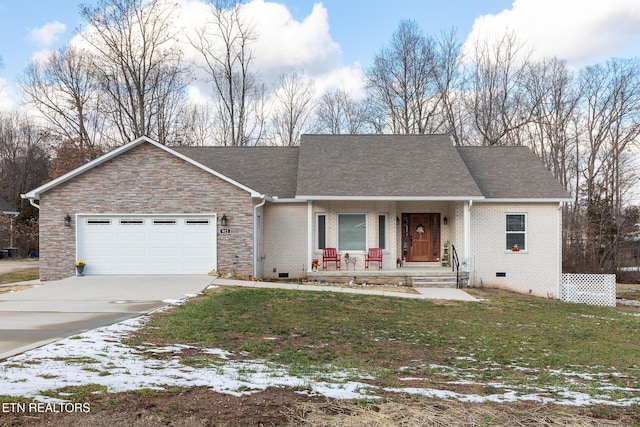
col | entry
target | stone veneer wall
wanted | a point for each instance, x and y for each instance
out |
(144, 180)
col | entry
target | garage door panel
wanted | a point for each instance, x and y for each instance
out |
(147, 245)
(98, 252)
(126, 236)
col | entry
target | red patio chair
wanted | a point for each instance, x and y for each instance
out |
(330, 255)
(374, 255)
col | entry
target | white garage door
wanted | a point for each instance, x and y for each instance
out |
(161, 244)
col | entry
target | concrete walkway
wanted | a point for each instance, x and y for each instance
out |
(54, 310)
(424, 293)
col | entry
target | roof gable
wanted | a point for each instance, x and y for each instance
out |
(382, 166)
(35, 194)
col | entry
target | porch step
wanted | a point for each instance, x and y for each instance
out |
(437, 281)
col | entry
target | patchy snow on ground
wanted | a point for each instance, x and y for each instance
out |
(100, 357)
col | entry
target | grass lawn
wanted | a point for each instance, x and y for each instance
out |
(32, 273)
(506, 340)
(413, 362)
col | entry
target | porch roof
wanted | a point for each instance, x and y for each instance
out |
(409, 167)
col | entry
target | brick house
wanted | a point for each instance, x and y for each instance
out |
(267, 212)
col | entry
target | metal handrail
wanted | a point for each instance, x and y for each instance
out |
(455, 265)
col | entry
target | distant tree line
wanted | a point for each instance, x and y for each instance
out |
(129, 77)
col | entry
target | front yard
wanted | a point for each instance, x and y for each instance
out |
(245, 356)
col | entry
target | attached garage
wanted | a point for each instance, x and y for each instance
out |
(147, 244)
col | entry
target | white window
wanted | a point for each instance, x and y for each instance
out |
(382, 230)
(516, 232)
(197, 222)
(98, 221)
(164, 222)
(321, 231)
(352, 232)
(131, 222)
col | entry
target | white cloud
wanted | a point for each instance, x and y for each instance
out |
(47, 34)
(581, 31)
(284, 42)
(7, 96)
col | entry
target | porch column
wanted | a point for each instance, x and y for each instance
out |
(467, 234)
(309, 234)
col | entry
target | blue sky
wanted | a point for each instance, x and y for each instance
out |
(361, 27)
(334, 40)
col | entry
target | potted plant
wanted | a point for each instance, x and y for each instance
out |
(315, 264)
(80, 267)
(515, 248)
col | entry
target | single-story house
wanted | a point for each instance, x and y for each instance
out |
(268, 212)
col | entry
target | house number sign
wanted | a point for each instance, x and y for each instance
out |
(224, 231)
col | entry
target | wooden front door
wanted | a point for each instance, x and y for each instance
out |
(421, 237)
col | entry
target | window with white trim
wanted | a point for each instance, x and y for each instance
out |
(516, 232)
(382, 230)
(321, 231)
(352, 232)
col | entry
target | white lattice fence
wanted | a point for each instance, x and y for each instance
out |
(591, 289)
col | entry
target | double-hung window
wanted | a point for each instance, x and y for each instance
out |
(352, 232)
(516, 232)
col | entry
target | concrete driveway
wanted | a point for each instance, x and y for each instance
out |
(59, 309)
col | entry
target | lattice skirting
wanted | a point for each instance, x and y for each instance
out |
(591, 289)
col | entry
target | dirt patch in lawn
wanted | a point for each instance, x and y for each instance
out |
(285, 407)
(13, 288)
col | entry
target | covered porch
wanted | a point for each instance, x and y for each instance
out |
(417, 238)
(421, 275)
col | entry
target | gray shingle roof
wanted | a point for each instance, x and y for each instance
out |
(383, 166)
(269, 170)
(426, 166)
(511, 173)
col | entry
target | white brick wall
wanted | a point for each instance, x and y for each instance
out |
(535, 269)
(285, 239)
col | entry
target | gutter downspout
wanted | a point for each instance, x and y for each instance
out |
(34, 204)
(255, 234)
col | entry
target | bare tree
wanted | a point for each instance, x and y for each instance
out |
(23, 156)
(611, 105)
(224, 44)
(138, 65)
(553, 131)
(293, 105)
(499, 105)
(338, 113)
(401, 81)
(64, 89)
(450, 81)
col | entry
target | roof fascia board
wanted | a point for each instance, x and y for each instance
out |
(276, 199)
(392, 198)
(35, 194)
(522, 200)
